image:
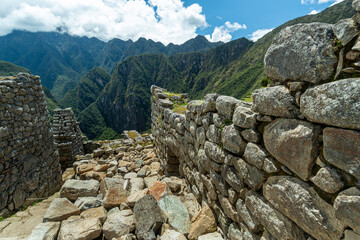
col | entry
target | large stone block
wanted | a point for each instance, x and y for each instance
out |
(345, 30)
(302, 52)
(299, 202)
(232, 140)
(60, 209)
(347, 208)
(225, 105)
(342, 149)
(275, 101)
(80, 229)
(274, 221)
(293, 143)
(336, 103)
(72, 189)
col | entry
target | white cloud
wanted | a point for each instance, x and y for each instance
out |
(222, 33)
(259, 34)
(307, 1)
(161, 20)
(334, 2)
(313, 12)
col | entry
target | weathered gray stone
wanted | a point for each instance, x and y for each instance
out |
(165, 103)
(251, 175)
(148, 218)
(356, 5)
(275, 101)
(211, 236)
(351, 235)
(209, 104)
(85, 203)
(113, 192)
(60, 209)
(347, 208)
(99, 213)
(340, 151)
(244, 117)
(299, 202)
(80, 229)
(191, 204)
(225, 106)
(255, 155)
(119, 224)
(250, 135)
(233, 179)
(336, 103)
(202, 223)
(204, 160)
(302, 52)
(45, 231)
(176, 213)
(213, 134)
(172, 235)
(345, 30)
(229, 209)
(246, 216)
(72, 189)
(328, 179)
(293, 143)
(232, 141)
(275, 222)
(214, 152)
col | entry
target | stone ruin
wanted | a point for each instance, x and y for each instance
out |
(29, 161)
(68, 136)
(286, 166)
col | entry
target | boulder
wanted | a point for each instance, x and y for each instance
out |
(232, 141)
(119, 224)
(328, 180)
(303, 53)
(334, 103)
(345, 30)
(176, 213)
(209, 104)
(172, 235)
(159, 189)
(80, 229)
(99, 213)
(72, 189)
(255, 155)
(225, 105)
(347, 208)
(113, 191)
(294, 143)
(214, 152)
(85, 203)
(60, 209)
(191, 204)
(251, 175)
(275, 101)
(244, 117)
(45, 231)
(202, 223)
(211, 236)
(148, 218)
(136, 196)
(301, 203)
(356, 5)
(275, 222)
(233, 178)
(341, 152)
(246, 216)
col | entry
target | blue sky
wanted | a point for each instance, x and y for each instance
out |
(166, 21)
(255, 14)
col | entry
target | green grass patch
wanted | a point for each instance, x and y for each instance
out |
(180, 109)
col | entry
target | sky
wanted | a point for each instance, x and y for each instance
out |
(166, 21)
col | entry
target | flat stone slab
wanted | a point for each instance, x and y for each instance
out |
(60, 209)
(80, 229)
(335, 104)
(45, 231)
(72, 189)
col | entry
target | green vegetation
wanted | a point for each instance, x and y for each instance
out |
(9, 69)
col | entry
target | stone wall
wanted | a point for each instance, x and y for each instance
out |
(286, 166)
(29, 161)
(68, 136)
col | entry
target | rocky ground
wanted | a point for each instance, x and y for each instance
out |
(118, 192)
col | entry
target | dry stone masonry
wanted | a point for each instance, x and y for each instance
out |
(68, 136)
(286, 166)
(29, 161)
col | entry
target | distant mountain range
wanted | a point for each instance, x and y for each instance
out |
(115, 95)
(61, 59)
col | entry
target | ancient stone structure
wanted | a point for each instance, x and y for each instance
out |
(67, 136)
(288, 165)
(29, 161)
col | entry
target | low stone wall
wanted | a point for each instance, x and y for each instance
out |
(67, 136)
(29, 161)
(286, 166)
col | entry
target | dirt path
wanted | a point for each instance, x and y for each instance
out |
(20, 225)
